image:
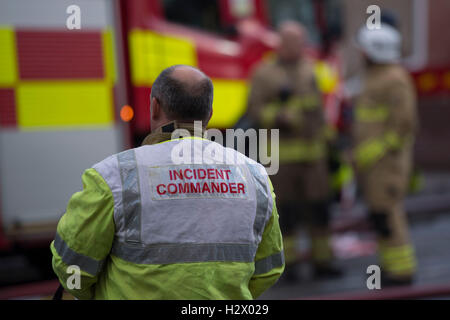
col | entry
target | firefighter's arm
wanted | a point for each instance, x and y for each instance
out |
(403, 120)
(269, 260)
(84, 236)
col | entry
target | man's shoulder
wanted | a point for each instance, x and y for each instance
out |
(391, 75)
(124, 156)
(111, 162)
(399, 75)
(111, 165)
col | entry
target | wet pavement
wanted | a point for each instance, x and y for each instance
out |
(431, 238)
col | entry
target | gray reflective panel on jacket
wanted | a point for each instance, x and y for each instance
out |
(131, 195)
(182, 252)
(194, 211)
(71, 257)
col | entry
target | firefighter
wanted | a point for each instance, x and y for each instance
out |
(284, 95)
(385, 126)
(155, 223)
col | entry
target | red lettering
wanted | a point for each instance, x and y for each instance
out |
(211, 174)
(223, 187)
(195, 188)
(206, 187)
(227, 171)
(186, 176)
(158, 189)
(233, 187)
(170, 174)
(179, 174)
(202, 171)
(219, 173)
(173, 187)
(183, 187)
(215, 187)
(241, 187)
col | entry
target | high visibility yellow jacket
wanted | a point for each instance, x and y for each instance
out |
(144, 227)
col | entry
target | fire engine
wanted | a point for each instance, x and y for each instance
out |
(69, 98)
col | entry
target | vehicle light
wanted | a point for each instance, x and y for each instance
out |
(126, 113)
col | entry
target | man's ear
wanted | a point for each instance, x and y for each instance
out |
(155, 109)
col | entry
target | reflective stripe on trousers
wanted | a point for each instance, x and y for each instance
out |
(399, 260)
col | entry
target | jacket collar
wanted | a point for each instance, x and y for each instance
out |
(164, 133)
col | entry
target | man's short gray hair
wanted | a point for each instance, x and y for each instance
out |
(180, 100)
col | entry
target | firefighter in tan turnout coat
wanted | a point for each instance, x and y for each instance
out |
(284, 96)
(385, 125)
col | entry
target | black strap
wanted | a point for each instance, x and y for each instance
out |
(59, 292)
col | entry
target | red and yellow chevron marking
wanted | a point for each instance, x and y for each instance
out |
(8, 62)
(151, 52)
(56, 79)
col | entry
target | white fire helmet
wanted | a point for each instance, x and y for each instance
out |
(381, 45)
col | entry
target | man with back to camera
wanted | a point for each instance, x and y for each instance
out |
(146, 226)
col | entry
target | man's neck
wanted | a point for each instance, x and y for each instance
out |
(165, 132)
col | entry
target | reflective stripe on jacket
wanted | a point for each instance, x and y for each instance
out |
(145, 227)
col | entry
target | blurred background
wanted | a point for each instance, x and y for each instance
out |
(71, 97)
